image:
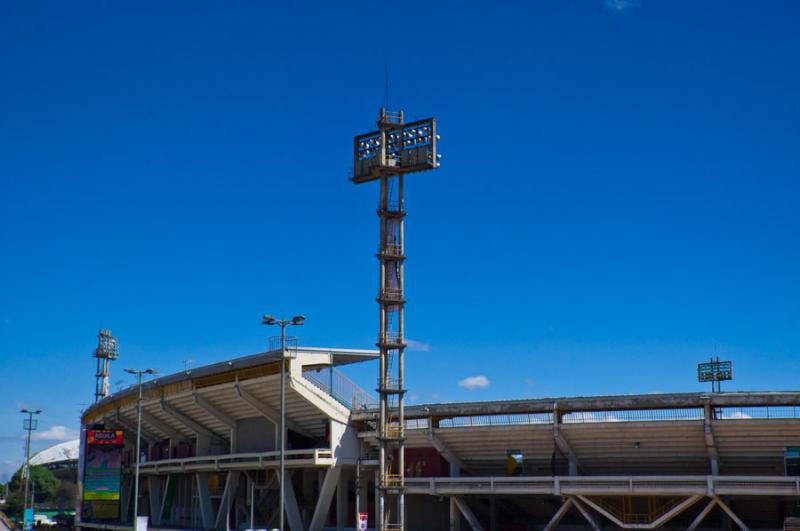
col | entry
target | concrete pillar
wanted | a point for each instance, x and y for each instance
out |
(204, 499)
(156, 498)
(341, 500)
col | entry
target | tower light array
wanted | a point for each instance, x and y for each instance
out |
(387, 155)
(107, 351)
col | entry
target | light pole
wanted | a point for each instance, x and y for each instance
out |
(138, 374)
(283, 323)
(29, 425)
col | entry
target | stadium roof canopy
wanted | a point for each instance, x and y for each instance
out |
(58, 453)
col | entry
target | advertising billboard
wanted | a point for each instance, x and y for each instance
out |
(102, 475)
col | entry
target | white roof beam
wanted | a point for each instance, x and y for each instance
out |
(122, 421)
(188, 422)
(215, 412)
(267, 412)
(443, 449)
(169, 431)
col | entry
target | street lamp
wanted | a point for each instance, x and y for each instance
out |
(29, 425)
(138, 374)
(283, 323)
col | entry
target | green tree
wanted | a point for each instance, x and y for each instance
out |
(44, 483)
(65, 495)
(14, 504)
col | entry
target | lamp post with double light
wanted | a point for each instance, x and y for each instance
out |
(138, 373)
(283, 323)
(29, 425)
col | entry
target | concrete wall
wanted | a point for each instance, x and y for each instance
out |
(344, 443)
(256, 434)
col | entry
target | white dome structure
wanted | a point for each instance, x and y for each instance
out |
(58, 455)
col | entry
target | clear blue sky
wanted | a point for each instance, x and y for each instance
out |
(618, 195)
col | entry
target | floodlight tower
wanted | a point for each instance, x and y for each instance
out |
(387, 155)
(106, 352)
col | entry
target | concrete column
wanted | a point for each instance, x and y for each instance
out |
(325, 497)
(341, 500)
(156, 499)
(204, 498)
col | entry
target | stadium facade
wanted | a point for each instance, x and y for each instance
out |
(670, 461)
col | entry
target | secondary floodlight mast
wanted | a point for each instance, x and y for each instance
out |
(297, 320)
(386, 155)
(138, 373)
(716, 372)
(29, 425)
(107, 351)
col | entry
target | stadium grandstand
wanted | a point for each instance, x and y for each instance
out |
(657, 461)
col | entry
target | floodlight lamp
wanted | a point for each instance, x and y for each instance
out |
(150, 371)
(130, 371)
(268, 320)
(298, 319)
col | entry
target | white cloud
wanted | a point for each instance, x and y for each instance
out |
(620, 5)
(474, 382)
(56, 433)
(418, 345)
(736, 415)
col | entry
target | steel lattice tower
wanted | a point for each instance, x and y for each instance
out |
(106, 352)
(387, 155)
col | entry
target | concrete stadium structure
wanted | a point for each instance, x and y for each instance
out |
(672, 461)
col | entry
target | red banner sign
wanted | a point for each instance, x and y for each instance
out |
(110, 437)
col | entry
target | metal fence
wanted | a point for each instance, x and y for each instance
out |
(635, 415)
(341, 388)
(496, 420)
(764, 412)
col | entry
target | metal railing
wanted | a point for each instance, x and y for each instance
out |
(634, 415)
(391, 384)
(393, 204)
(609, 485)
(416, 424)
(496, 420)
(391, 294)
(758, 412)
(393, 480)
(291, 345)
(341, 388)
(391, 249)
(391, 338)
(237, 461)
